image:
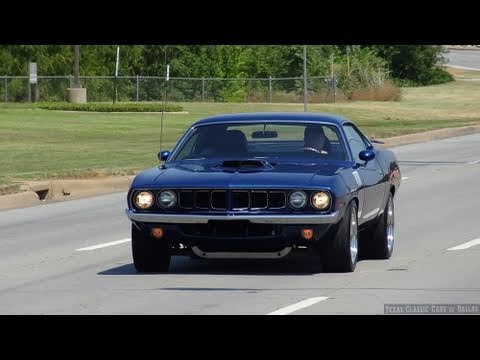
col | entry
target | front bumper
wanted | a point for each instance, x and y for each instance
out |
(256, 219)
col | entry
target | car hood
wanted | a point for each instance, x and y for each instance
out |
(227, 175)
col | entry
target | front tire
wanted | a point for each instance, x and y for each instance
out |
(340, 252)
(378, 242)
(149, 254)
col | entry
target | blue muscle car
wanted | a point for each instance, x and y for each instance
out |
(261, 185)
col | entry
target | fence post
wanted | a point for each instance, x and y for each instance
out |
(334, 82)
(138, 82)
(203, 89)
(6, 89)
(270, 89)
(71, 82)
(29, 88)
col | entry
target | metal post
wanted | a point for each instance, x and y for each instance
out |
(6, 89)
(334, 79)
(76, 67)
(203, 89)
(138, 83)
(270, 89)
(29, 91)
(115, 92)
(305, 95)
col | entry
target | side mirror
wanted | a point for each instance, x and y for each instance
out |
(366, 155)
(163, 155)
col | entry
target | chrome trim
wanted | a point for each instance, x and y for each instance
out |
(195, 199)
(180, 199)
(259, 192)
(211, 199)
(277, 192)
(242, 255)
(233, 199)
(256, 219)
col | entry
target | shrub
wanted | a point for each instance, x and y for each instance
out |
(361, 70)
(386, 92)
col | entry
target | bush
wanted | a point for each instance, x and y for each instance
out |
(362, 70)
(119, 107)
(385, 92)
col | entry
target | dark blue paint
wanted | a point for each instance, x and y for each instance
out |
(378, 175)
(367, 155)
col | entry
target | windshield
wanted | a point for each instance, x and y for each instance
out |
(263, 140)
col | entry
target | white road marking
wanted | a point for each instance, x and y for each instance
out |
(463, 67)
(300, 305)
(466, 245)
(405, 178)
(474, 162)
(99, 246)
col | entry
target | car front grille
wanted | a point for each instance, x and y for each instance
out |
(232, 199)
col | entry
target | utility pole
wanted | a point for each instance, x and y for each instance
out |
(76, 67)
(115, 93)
(77, 94)
(305, 94)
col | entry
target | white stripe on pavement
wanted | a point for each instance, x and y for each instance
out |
(300, 305)
(99, 246)
(463, 67)
(474, 162)
(466, 245)
(405, 178)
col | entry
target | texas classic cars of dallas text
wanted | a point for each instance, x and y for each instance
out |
(263, 185)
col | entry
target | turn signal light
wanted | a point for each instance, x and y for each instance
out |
(307, 234)
(157, 233)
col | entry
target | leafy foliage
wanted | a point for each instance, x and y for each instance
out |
(355, 66)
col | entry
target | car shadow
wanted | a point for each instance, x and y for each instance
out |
(294, 265)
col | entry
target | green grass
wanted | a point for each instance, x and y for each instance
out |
(109, 107)
(463, 73)
(39, 144)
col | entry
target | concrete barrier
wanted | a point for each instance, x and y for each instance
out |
(77, 95)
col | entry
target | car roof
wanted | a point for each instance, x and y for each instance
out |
(273, 116)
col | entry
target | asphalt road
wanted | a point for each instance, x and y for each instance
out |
(43, 272)
(464, 58)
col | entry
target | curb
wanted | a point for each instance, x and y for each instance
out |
(428, 136)
(44, 192)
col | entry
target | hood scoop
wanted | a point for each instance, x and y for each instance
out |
(249, 165)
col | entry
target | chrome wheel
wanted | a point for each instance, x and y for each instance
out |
(353, 235)
(390, 225)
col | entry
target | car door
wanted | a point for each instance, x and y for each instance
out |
(370, 174)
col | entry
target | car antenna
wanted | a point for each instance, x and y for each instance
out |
(167, 78)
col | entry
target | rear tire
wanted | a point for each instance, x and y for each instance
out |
(149, 254)
(378, 242)
(339, 253)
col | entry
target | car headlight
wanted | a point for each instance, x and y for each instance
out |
(297, 199)
(167, 199)
(321, 200)
(143, 200)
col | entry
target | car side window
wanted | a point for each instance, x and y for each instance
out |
(355, 140)
(189, 148)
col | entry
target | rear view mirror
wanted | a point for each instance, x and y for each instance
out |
(366, 155)
(163, 155)
(264, 134)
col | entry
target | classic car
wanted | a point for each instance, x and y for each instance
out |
(263, 185)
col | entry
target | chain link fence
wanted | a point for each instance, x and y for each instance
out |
(181, 89)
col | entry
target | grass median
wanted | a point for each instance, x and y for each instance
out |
(40, 144)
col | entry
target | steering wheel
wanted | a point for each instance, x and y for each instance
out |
(321, 152)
